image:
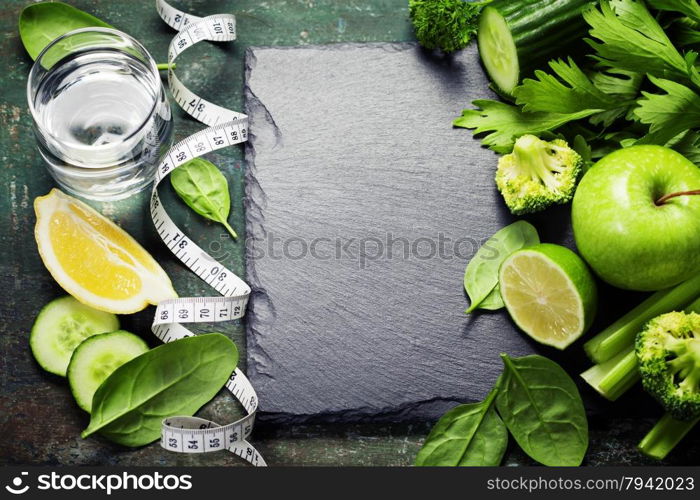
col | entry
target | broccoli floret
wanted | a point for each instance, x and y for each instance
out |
(668, 350)
(538, 174)
(447, 25)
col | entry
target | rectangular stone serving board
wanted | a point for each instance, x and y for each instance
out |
(352, 152)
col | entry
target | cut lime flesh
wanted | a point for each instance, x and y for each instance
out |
(549, 293)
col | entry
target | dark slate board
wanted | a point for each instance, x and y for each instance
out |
(351, 143)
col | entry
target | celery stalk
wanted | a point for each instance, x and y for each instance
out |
(614, 377)
(664, 436)
(620, 335)
(694, 307)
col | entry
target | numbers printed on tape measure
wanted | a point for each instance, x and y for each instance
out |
(226, 128)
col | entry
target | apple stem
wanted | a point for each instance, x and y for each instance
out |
(667, 197)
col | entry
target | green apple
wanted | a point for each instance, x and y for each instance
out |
(636, 218)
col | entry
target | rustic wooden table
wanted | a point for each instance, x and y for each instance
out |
(39, 422)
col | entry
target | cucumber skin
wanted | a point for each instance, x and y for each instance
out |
(543, 29)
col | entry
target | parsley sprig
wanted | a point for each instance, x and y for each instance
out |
(447, 25)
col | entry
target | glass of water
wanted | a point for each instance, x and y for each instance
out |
(101, 116)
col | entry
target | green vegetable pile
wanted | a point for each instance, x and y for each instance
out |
(634, 80)
(638, 84)
(661, 346)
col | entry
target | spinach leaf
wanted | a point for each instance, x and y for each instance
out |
(542, 408)
(481, 275)
(41, 23)
(493, 300)
(471, 434)
(173, 379)
(204, 188)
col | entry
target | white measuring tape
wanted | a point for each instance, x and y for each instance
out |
(226, 128)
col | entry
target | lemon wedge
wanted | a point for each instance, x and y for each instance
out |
(95, 260)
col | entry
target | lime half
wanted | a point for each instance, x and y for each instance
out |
(549, 292)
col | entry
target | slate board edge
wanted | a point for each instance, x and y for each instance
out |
(253, 215)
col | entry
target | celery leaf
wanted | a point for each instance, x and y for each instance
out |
(571, 92)
(668, 114)
(629, 38)
(504, 123)
(689, 8)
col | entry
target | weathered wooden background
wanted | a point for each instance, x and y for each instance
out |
(39, 422)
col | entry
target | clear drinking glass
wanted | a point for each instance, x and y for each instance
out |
(101, 116)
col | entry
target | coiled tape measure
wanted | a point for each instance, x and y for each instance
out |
(225, 128)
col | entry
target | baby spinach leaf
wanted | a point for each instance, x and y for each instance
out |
(41, 23)
(493, 300)
(542, 408)
(467, 435)
(481, 275)
(204, 188)
(173, 379)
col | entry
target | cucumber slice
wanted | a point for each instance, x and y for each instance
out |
(516, 37)
(96, 358)
(61, 325)
(497, 50)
